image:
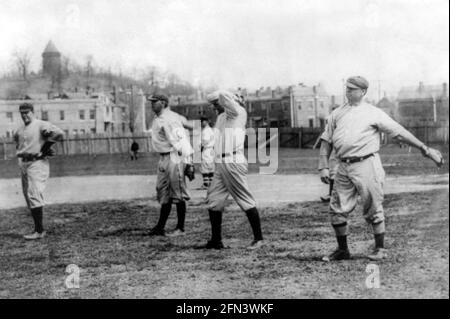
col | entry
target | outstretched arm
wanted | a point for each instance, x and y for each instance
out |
(400, 134)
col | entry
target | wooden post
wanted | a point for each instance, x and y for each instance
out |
(89, 145)
(109, 144)
(4, 150)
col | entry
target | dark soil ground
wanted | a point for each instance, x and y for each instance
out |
(117, 260)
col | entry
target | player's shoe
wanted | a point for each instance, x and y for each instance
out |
(378, 254)
(34, 236)
(156, 232)
(212, 245)
(175, 233)
(256, 244)
(338, 254)
(325, 199)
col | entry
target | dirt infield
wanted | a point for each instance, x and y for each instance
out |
(396, 161)
(107, 241)
(268, 190)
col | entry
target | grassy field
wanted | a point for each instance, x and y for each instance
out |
(396, 161)
(107, 241)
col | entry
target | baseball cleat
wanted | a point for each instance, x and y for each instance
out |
(34, 236)
(256, 244)
(378, 254)
(175, 233)
(325, 199)
(157, 232)
(212, 245)
(338, 254)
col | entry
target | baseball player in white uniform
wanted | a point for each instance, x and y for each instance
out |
(33, 144)
(353, 131)
(207, 150)
(170, 141)
(231, 167)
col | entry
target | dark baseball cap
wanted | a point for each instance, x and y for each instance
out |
(357, 82)
(25, 107)
(158, 97)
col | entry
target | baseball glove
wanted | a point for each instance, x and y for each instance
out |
(434, 155)
(189, 171)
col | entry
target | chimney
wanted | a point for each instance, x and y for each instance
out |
(421, 86)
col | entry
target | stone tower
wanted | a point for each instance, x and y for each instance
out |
(51, 61)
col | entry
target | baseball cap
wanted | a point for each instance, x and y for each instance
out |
(357, 82)
(158, 97)
(26, 107)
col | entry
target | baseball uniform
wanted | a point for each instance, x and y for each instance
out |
(35, 172)
(208, 158)
(169, 139)
(231, 168)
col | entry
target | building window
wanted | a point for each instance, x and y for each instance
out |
(322, 105)
(92, 114)
(285, 106)
(299, 105)
(263, 106)
(82, 132)
(8, 134)
(44, 115)
(322, 123)
(75, 132)
(61, 115)
(9, 115)
(310, 105)
(249, 107)
(66, 132)
(123, 127)
(81, 112)
(93, 131)
(311, 122)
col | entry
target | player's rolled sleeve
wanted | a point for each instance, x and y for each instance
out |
(327, 134)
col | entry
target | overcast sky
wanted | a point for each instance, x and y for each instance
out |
(246, 43)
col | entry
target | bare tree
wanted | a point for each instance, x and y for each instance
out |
(22, 60)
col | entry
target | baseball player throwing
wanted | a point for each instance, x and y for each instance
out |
(230, 174)
(353, 130)
(169, 140)
(33, 143)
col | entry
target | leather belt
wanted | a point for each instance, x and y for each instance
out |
(350, 160)
(227, 154)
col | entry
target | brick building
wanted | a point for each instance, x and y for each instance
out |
(96, 114)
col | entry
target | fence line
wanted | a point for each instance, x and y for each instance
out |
(288, 137)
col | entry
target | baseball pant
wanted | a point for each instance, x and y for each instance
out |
(34, 179)
(230, 179)
(365, 179)
(207, 165)
(171, 182)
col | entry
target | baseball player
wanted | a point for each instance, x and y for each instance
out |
(34, 142)
(207, 149)
(353, 130)
(230, 174)
(170, 141)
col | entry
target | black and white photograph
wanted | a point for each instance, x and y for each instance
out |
(224, 155)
